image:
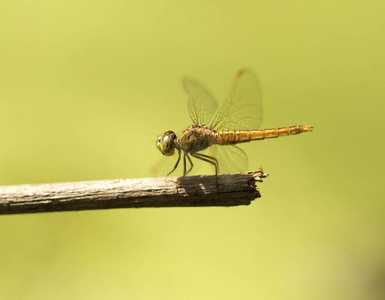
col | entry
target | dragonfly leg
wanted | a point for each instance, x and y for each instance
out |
(191, 164)
(210, 159)
(176, 165)
(184, 170)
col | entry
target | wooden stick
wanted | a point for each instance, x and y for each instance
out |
(234, 189)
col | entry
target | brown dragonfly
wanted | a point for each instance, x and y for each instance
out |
(236, 121)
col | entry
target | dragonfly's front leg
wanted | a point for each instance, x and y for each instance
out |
(176, 165)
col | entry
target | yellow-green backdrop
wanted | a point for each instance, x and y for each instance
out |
(87, 86)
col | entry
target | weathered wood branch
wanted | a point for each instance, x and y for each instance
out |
(234, 189)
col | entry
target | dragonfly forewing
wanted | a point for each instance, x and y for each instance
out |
(200, 102)
(243, 106)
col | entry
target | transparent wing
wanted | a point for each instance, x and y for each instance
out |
(231, 158)
(201, 104)
(243, 106)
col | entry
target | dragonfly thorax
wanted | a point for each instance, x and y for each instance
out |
(196, 138)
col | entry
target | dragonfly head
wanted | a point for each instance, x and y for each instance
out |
(166, 143)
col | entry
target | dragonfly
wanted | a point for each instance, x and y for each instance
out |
(236, 121)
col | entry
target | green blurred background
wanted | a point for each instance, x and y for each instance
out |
(87, 86)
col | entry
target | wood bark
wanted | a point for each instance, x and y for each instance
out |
(234, 189)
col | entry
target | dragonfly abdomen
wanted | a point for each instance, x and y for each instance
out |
(226, 137)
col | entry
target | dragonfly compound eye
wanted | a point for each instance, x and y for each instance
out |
(166, 144)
